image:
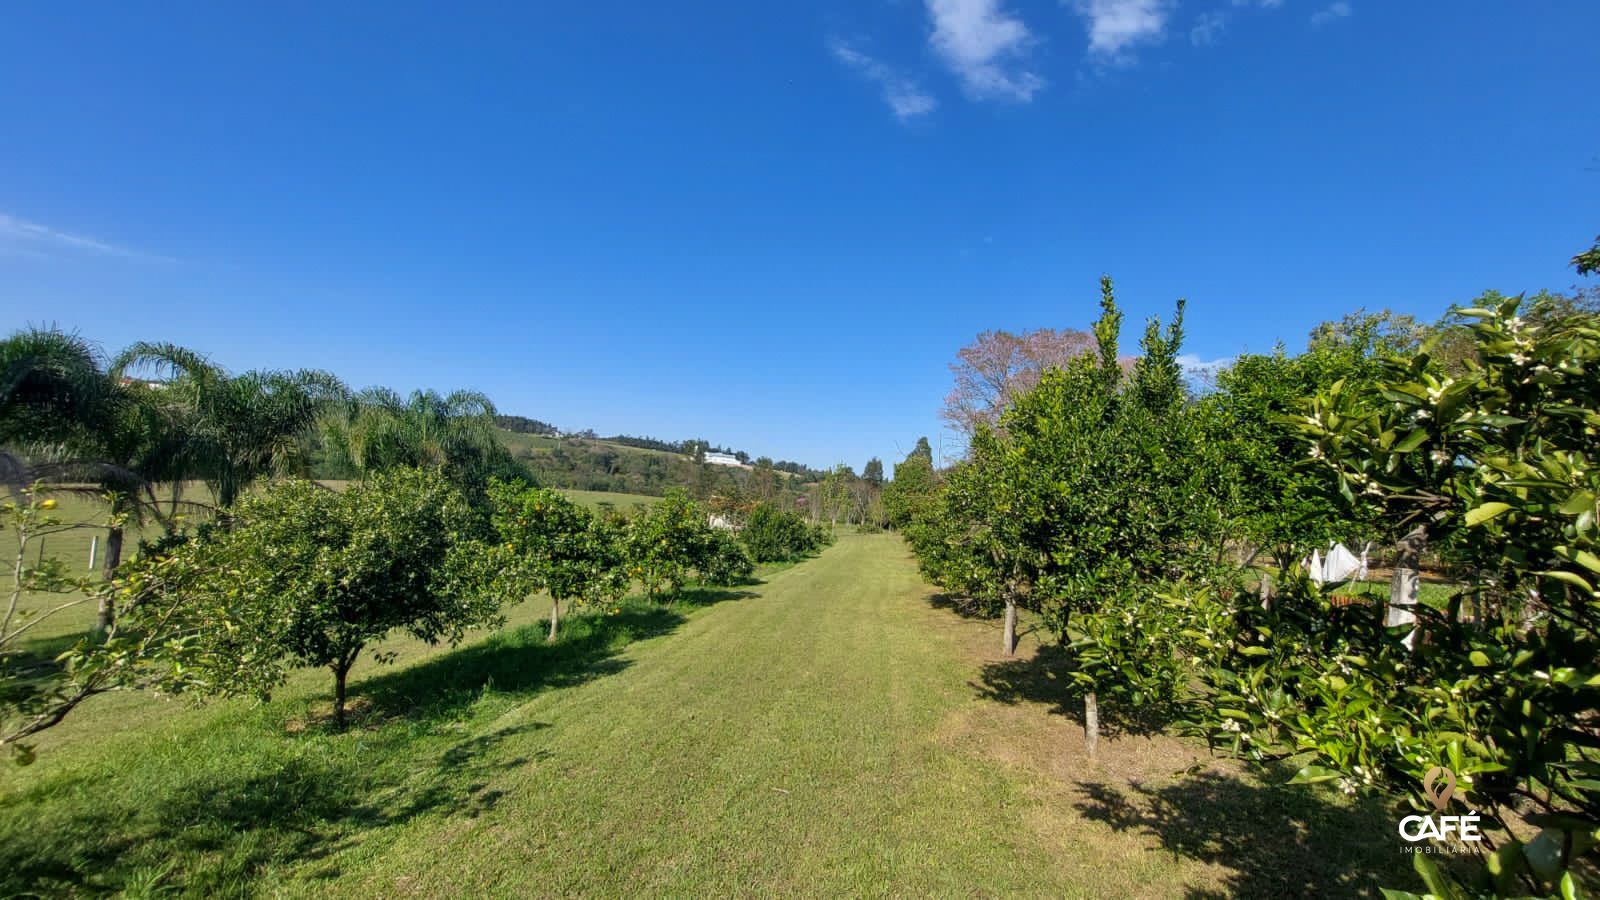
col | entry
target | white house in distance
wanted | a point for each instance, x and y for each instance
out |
(722, 459)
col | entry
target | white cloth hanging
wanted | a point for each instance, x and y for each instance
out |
(1314, 567)
(1341, 564)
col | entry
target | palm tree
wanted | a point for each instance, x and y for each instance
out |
(237, 428)
(81, 431)
(53, 397)
(380, 430)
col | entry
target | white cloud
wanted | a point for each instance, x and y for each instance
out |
(1116, 25)
(24, 238)
(1332, 13)
(1207, 29)
(986, 47)
(1264, 4)
(1203, 371)
(905, 97)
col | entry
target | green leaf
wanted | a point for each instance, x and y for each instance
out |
(1439, 884)
(1254, 650)
(1486, 512)
(1587, 560)
(1412, 441)
(1479, 658)
(1497, 421)
(1504, 865)
(1314, 775)
(1579, 502)
(1570, 578)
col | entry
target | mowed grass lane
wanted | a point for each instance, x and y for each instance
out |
(831, 734)
(827, 731)
(782, 742)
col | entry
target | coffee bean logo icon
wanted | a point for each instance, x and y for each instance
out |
(1439, 793)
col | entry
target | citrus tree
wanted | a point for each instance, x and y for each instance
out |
(1090, 491)
(306, 576)
(545, 541)
(673, 542)
(1502, 686)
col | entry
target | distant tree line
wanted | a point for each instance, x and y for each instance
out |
(524, 425)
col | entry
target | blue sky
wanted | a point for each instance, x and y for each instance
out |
(772, 225)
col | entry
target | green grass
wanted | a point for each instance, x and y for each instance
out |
(829, 730)
(1429, 593)
(517, 442)
(622, 502)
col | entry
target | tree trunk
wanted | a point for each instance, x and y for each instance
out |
(555, 618)
(1009, 637)
(113, 558)
(1091, 722)
(1407, 582)
(340, 671)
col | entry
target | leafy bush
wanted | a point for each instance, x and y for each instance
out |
(724, 560)
(673, 542)
(777, 535)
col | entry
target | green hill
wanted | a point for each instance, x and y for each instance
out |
(591, 464)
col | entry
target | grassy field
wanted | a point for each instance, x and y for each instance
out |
(516, 442)
(622, 502)
(832, 729)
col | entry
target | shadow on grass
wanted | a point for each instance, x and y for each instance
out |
(516, 662)
(1042, 678)
(704, 595)
(34, 668)
(965, 607)
(220, 810)
(217, 830)
(1272, 840)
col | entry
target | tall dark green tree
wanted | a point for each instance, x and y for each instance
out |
(913, 487)
(872, 473)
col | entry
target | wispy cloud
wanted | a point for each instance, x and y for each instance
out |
(905, 97)
(24, 238)
(1207, 29)
(986, 47)
(1210, 27)
(1333, 12)
(1115, 26)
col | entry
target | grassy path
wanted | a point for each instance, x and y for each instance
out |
(826, 732)
(783, 742)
